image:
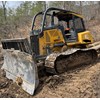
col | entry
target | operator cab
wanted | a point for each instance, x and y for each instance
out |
(71, 24)
(68, 22)
(56, 27)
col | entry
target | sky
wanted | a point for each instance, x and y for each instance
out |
(13, 4)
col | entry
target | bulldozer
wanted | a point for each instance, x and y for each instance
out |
(58, 41)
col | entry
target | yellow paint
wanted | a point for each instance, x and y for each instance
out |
(50, 38)
(78, 15)
(55, 36)
(85, 36)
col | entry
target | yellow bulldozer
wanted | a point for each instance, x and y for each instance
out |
(58, 41)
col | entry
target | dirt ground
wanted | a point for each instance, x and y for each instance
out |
(83, 82)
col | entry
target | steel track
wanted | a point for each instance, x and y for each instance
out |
(60, 62)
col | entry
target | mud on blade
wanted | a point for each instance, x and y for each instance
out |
(19, 64)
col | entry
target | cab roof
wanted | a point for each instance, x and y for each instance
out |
(63, 12)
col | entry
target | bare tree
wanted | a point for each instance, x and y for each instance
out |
(44, 5)
(4, 8)
(63, 4)
(81, 7)
(99, 10)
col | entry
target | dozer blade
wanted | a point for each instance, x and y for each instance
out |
(20, 67)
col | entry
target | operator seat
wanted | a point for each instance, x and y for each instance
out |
(61, 27)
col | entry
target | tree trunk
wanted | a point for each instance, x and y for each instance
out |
(4, 9)
(81, 7)
(44, 5)
(63, 4)
(99, 10)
